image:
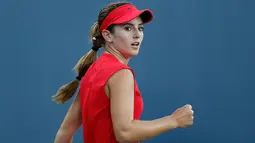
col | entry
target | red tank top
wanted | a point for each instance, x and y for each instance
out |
(95, 105)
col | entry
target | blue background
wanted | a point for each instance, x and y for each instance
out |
(199, 52)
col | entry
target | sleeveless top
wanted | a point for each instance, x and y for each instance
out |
(95, 105)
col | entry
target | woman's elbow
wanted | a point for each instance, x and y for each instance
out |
(123, 136)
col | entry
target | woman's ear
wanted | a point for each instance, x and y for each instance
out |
(107, 36)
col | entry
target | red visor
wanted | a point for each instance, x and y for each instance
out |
(125, 13)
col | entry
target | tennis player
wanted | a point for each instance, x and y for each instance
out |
(108, 104)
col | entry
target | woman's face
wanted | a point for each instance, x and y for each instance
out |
(127, 38)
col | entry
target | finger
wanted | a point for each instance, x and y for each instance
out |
(191, 121)
(190, 118)
(189, 112)
(188, 106)
(192, 112)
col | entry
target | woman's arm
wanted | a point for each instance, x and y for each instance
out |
(126, 129)
(71, 123)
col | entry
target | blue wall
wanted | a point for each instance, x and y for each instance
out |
(199, 52)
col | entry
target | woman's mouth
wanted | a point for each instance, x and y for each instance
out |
(135, 44)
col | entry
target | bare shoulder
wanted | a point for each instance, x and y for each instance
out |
(121, 78)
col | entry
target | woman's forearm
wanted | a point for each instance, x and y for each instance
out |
(63, 137)
(143, 130)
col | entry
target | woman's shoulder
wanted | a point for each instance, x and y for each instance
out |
(108, 61)
(107, 65)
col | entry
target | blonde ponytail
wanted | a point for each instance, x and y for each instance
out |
(66, 91)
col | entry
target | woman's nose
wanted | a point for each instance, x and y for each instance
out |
(137, 34)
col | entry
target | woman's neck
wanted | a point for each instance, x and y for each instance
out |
(116, 54)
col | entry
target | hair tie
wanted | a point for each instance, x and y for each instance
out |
(78, 78)
(94, 43)
(94, 48)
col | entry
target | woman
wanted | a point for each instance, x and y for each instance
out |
(109, 104)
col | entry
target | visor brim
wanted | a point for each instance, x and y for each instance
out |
(146, 16)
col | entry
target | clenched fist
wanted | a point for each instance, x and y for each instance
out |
(183, 116)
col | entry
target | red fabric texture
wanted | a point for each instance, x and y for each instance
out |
(95, 105)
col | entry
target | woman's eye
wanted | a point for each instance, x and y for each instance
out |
(141, 28)
(127, 28)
